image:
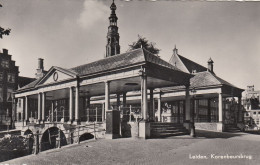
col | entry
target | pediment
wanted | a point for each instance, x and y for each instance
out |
(56, 75)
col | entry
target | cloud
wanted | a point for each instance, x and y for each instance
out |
(93, 13)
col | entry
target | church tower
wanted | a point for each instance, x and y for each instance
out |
(112, 47)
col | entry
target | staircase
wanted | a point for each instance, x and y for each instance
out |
(167, 129)
(231, 128)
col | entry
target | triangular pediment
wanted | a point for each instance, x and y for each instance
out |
(55, 75)
(177, 62)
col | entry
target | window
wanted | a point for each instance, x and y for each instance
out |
(11, 78)
(1, 76)
(5, 63)
(254, 113)
(9, 95)
(19, 103)
(1, 95)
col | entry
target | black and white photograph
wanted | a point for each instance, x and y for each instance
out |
(129, 82)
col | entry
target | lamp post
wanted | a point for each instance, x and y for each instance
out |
(192, 128)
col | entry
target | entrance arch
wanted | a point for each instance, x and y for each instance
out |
(86, 136)
(29, 135)
(49, 138)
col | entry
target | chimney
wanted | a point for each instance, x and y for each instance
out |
(5, 51)
(210, 65)
(40, 70)
(40, 63)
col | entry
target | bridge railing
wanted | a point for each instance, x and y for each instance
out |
(59, 138)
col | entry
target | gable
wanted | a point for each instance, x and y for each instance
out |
(175, 61)
(55, 76)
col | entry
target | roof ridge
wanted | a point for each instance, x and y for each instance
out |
(192, 61)
(116, 55)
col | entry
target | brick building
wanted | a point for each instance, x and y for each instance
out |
(252, 107)
(10, 81)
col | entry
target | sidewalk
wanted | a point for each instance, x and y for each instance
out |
(172, 150)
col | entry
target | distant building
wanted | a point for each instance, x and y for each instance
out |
(9, 82)
(252, 106)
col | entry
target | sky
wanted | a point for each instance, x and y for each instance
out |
(68, 33)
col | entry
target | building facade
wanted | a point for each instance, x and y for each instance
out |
(10, 81)
(251, 105)
(136, 86)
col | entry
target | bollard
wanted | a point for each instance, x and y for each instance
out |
(96, 114)
(78, 134)
(95, 132)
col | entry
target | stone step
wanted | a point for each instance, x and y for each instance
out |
(166, 129)
(232, 129)
(161, 130)
(174, 124)
(170, 127)
(168, 134)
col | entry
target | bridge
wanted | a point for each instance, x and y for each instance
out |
(57, 134)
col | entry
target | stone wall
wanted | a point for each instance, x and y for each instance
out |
(206, 126)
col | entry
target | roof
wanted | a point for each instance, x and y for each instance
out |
(191, 65)
(22, 81)
(30, 85)
(137, 56)
(134, 57)
(204, 79)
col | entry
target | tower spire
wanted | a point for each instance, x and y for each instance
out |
(175, 50)
(112, 47)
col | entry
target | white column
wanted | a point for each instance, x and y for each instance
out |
(151, 111)
(77, 103)
(107, 96)
(43, 105)
(220, 108)
(26, 108)
(240, 114)
(71, 104)
(124, 99)
(187, 104)
(39, 107)
(103, 112)
(52, 111)
(145, 106)
(160, 107)
(118, 101)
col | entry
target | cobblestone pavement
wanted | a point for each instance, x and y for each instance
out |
(171, 150)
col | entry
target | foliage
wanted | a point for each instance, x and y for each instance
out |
(4, 31)
(143, 42)
(13, 143)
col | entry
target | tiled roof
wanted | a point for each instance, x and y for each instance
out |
(137, 56)
(203, 79)
(22, 81)
(191, 65)
(31, 85)
(121, 60)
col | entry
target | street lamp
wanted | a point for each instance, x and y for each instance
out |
(192, 129)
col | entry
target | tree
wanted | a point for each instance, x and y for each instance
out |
(4, 31)
(143, 42)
